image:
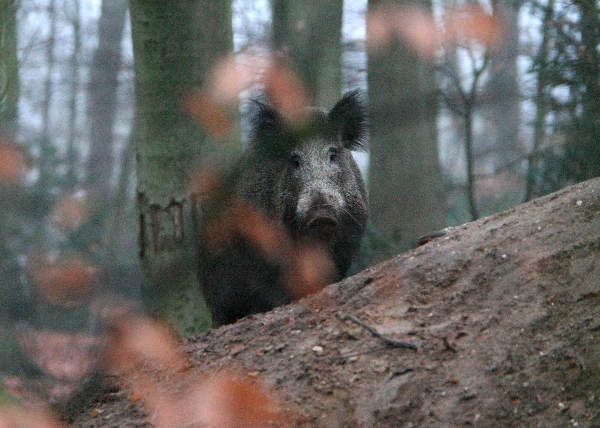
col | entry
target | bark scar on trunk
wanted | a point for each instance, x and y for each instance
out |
(155, 218)
(142, 236)
(176, 211)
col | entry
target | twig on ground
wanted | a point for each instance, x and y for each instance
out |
(388, 340)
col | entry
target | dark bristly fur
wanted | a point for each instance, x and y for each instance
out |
(305, 179)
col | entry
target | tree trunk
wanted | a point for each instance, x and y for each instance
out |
(118, 217)
(175, 45)
(72, 151)
(9, 83)
(470, 161)
(541, 101)
(9, 97)
(503, 94)
(503, 312)
(46, 149)
(309, 33)
(405, 180)
(588, 132)
(12, 295)
(103, 97)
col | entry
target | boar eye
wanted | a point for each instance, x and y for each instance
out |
(334, 155)
(295, 160)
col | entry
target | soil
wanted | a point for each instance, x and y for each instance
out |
(504, 312)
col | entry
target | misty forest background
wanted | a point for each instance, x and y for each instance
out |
(475, 106)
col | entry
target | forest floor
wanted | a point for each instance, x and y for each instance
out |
(504, 313)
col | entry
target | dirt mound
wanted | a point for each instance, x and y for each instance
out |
(504, 313)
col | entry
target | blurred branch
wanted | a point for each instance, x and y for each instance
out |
(445, 70)
(465, 109)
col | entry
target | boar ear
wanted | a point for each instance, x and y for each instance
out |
(265, 120)
(349, 120)
(268, 132)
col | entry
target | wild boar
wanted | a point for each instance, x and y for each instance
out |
(303, 180)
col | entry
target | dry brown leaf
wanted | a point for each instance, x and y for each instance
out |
(286, 92)
(65, 282)
(12, 416)
(418, 28)
(233, 75)
(272, 239)
(135, 339)
(63, 355)
(71, 210)
(205, 181)
(206, 111)
(235, 399)
(313, 269)
(380, 31)
(136, 396)
(474, 23)
(12, 163)
(241, 219)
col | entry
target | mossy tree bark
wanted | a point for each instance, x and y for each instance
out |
(12, 300)
(309, 33)
(405, 180)
(175, 45)
(9, 76)
(9, 95)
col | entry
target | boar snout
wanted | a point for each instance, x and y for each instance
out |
(321, 223)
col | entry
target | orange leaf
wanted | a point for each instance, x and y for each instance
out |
(12, 163)
(473, 22)
(313, 269)
(233, 399)
(286, 92)
(71, 210)
(65, 282)
(234, 74)
(210, 114)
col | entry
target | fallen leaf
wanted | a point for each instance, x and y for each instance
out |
(65, 282)
(71, 210)
(206, 111)
(12, 163)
